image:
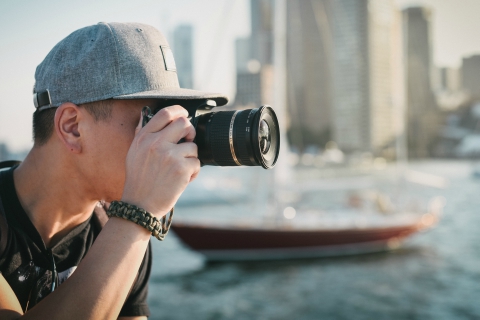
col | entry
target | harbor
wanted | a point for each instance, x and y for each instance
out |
(433, 275)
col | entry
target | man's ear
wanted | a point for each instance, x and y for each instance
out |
(66, 123)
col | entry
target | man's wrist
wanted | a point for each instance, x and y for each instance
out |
(157, 228)
(144, 205)
(125, 226)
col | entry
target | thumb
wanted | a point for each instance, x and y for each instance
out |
(139, 125)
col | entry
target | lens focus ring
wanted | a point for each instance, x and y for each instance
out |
(219, 135)
(241, 139)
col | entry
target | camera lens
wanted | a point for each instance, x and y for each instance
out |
(238, 138)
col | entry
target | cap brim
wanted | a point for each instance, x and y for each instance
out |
(176, 94)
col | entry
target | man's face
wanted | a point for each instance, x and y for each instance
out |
(106, 144)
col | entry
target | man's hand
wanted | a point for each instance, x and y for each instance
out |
(158, 169)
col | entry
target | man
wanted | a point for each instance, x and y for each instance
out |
(57, 262)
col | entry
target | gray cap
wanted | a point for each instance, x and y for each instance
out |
(111, 60)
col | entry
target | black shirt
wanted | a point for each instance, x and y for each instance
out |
(27, 264)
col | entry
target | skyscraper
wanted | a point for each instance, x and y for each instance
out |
(262, 31)
(253, 79)
(309, 72)
(446, 84)
(422, 116)
(242, 54)
(471, 76)
(254, 58)
(183, 53)
(254, 87)
(362, 114)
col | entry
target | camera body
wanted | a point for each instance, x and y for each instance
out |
(249, 137)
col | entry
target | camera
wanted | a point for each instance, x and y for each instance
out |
(249, 137)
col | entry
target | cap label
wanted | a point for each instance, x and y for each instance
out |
(168, 58)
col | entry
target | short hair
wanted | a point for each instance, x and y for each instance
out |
(43, 120)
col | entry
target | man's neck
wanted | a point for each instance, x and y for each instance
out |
(54, 195)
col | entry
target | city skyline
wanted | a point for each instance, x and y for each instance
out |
(22, 48)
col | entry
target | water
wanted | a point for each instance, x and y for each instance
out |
(435, 275)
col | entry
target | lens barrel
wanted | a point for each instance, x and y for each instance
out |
(238, 138)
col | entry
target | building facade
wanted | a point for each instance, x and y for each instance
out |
(183, 53)
(363, 108)
(471, 76)
(309, 72)
(254, 58)
(422, 112)
(262, 31)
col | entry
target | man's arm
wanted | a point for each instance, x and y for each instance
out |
(10, 306)
(99, 286)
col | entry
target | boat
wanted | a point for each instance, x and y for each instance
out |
(240, 243)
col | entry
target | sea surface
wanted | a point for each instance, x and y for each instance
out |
(434, 275)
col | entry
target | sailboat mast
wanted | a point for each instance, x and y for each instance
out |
(282, 171)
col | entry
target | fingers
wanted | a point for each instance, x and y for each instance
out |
(195, 175)
(195, 164)
(173, 123)
(164, 117)
(188, 149)
(178, 129)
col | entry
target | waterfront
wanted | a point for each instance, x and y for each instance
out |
(433, 276)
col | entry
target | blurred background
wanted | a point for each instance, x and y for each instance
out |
(379, 101)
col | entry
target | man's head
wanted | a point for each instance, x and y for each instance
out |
(108, 61)
(97, 77)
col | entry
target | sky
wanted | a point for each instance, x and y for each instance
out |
(29, 29)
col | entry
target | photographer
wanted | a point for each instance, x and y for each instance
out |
(58, 261)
